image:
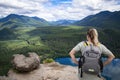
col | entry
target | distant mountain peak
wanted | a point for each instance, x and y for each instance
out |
(13, 15)
(37, 18)
(105, 12)
(63, 22)
(102, 19)
(13, 20)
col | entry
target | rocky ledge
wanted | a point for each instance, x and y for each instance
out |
(49, 71)
(29, 68)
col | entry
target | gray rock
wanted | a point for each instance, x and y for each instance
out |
(49, 71)
(26, 64)
(6, 78)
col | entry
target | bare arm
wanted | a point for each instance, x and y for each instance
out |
(110, 58)
(72, 55)
(107, 52)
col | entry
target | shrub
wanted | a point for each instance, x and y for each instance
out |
(48, 60)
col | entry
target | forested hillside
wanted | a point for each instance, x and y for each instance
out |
(14, 20)
(50, 42)
(104, 19)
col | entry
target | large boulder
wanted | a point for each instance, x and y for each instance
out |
(26, 64)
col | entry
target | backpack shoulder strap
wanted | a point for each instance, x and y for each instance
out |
(85, 43)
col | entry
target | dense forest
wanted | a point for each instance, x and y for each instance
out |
(49, 42)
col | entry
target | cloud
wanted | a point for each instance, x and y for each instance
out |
(57, 9)
(8, 6)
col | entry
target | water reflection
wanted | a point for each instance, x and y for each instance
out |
(110, 72)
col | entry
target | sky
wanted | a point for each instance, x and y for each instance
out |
(52, 10)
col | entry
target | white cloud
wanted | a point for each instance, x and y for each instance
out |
(75, 9)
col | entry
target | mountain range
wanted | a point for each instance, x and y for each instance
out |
(104, 19)
(14, 20)
(63, 22)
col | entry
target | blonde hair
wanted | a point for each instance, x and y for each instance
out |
(93, 35)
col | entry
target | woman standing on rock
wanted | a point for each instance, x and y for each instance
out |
(90, 65)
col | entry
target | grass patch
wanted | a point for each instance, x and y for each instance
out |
(73, 27)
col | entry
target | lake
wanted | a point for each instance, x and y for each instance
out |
(110, 72)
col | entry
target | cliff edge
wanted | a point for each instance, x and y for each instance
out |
(49, 71)
(29, 68)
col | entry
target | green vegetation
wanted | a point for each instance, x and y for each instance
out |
(48, 60)
(50, 42)
(14, 21)
(104, 19)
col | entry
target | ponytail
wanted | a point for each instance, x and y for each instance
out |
(93, 35)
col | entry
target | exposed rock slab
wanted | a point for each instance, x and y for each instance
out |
(51, 71)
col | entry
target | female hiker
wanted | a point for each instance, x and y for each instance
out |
(90, 65)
